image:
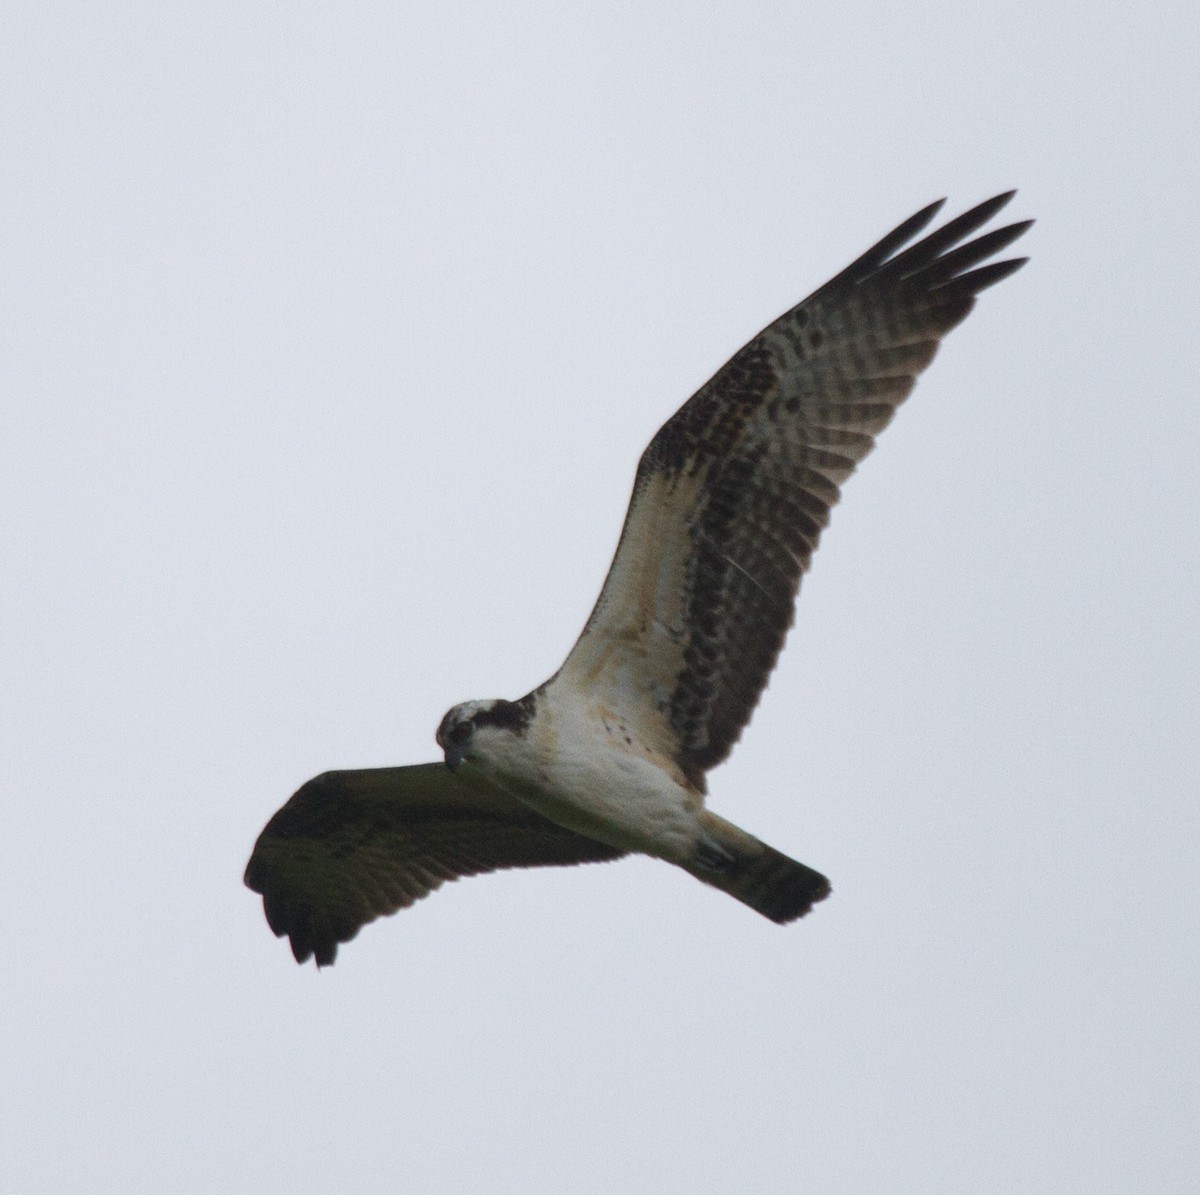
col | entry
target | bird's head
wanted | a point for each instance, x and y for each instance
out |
(468, 729)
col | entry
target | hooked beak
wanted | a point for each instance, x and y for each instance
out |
(454, 755)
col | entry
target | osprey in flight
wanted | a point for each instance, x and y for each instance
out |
(609, 756)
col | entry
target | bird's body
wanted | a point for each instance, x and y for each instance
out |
(610, 755)
(567, 767)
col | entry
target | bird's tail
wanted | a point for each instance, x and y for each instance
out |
(754, 873)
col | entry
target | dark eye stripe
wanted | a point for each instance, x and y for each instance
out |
(461, 732)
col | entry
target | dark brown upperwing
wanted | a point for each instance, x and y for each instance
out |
(732, 494)
(777, 432)
(352, 846)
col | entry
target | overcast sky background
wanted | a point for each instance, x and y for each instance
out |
(331, 337)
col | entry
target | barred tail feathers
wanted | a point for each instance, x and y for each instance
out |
(756, 874)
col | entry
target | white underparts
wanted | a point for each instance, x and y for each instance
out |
(595, 779)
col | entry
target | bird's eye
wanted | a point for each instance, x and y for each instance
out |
(461, 732)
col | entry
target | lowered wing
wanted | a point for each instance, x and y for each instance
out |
(352, 846)
(733, 492)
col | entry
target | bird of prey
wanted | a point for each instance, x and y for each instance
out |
(609, 756)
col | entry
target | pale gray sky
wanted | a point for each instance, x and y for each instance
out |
(332, 336)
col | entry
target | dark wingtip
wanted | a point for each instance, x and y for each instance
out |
(287, 920)
(1001, 199)
(886, 246)
(926, 214)
(981, 213)
(989, 275)
(252, 876)
(899, 254)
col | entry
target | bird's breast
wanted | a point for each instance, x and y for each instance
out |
(593, 776)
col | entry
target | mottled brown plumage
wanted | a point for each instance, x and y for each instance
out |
(352, 846)
(610, 754)
(732, 494)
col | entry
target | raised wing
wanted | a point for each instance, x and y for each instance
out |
(352, 846)
(733, 492)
